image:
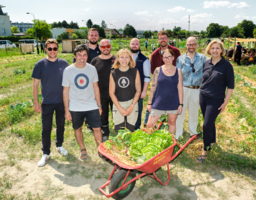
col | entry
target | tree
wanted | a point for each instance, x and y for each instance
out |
(73, 25)
(130, 31)
(89, 23)
(65, 24)
(81, 34)
(203, 34)
(213, 30)
(236, 32)
(15, 29)
(54, 25)
(43, 30)
(100, 30)
(247, 26)
(224, 31)
(147, 34)
(103, 24)
(169, 32)
(254, 32)
(74, 36)
(62, 36)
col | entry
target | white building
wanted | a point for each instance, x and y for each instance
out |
(57, 31)
(5, 25)
(23, 27)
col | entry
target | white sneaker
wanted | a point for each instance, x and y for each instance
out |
(62, 150)
(43, 160)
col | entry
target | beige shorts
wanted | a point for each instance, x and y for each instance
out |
(118, 118)
(155, 112)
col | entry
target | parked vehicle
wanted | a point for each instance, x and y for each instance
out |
(6, 44)
(28, 41)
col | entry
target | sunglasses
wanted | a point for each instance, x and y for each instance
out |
(193, 69)
(104, 47)
(54, 49)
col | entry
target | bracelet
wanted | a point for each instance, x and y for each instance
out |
(149, 104)
(99, 106)
(181, 104)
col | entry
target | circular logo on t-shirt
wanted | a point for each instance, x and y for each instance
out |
(81, 81)
(123, 82)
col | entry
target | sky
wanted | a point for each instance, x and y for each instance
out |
(141, 14)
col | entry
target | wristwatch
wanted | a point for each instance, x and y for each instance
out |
(181, 104)
(99, 106)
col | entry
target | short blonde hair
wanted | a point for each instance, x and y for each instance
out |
(116, 64)
(92, 29)
(208, 48)
(51, 41)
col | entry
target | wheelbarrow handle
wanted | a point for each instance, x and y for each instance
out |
(161, 123)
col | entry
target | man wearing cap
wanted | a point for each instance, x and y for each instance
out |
(191, 65)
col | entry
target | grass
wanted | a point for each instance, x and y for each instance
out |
(21, 138)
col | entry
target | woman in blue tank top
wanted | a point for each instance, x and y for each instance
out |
(166, 95)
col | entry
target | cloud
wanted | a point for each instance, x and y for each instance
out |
(197, 17)
(156, 12)
(190, 10)
(219, 4)
(243, 16)
(167, 21)
(176, 9)
(143, 13)
(86, 9)
(87, 0)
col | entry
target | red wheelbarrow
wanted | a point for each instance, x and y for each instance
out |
(123, 181)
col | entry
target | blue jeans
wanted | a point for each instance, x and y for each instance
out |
(146, 117)
(140, 108)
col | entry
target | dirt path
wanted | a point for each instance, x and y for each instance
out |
(79, 180)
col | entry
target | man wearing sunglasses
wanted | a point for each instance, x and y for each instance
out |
(103, 64)
(143, 66)
(94, 51)
(50, 70)
(191, 65)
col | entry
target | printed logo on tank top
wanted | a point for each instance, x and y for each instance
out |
(81, 81)
(123, 82)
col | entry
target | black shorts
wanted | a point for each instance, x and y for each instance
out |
(92, 117)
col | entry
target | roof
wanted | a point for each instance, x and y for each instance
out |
(1, 12)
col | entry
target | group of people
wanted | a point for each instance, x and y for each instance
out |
(98, 82)
(241, 52)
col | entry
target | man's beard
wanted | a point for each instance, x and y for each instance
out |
(134, 50)
(106, 54)
(91, 42)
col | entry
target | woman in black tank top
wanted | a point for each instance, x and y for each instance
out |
(124, 90)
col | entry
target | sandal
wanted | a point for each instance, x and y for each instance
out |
(83, 155)
(201, 159)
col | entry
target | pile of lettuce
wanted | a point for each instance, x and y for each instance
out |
(140, 146)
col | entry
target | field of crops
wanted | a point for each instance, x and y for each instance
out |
(228, 172)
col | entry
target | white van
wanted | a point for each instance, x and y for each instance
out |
(6, 44)
(28, 41)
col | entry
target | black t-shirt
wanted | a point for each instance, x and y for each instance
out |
(103, 68)
(216, 78)
(125, 83)
(50, 74)
(92, 54)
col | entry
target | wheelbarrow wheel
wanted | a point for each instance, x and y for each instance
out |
(117, 181)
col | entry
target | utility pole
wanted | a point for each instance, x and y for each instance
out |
(188, 22)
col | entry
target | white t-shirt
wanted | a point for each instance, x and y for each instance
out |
(81, 92)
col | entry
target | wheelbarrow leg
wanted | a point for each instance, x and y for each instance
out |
(156, 178)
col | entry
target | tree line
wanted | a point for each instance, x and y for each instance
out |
(244, 29)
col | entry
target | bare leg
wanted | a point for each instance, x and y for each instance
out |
(97, 135)
(79, 137)
(152, 120)
(172, 123)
